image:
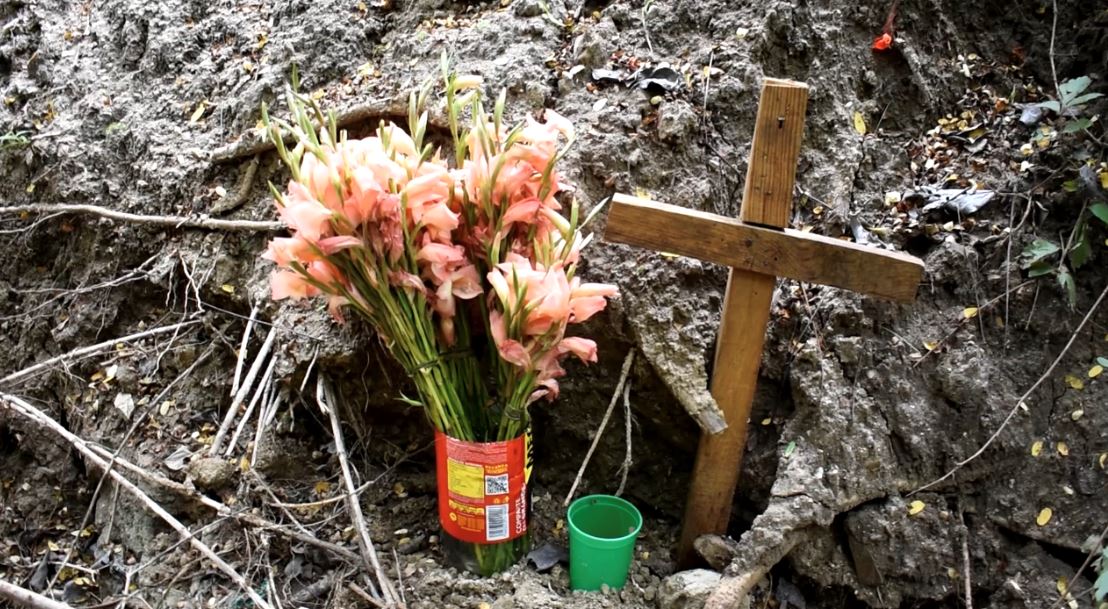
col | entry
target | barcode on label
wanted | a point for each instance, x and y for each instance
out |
(496, 485)
(496, 522)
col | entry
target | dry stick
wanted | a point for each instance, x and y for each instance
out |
(123, 443)
(623, 373)
(35, 414)
(365, 595)
(626, 467)
(262, 389)
(265, 417)
(122, 216)
(93, 350)
(1053, 31)
(244, 348)
(26, 598)
(326, 400)
(221, 509)
(229, 418)
(966, 559)
(1019, 402)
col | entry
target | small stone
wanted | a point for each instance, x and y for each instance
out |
(212, 473)
(676, 121)
(688, 589)
(605, 589)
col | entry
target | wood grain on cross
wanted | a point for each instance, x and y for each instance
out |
(758, 248)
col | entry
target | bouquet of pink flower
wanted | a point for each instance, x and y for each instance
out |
(467, 273)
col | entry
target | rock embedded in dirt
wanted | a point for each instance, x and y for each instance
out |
(212, 473)
(676, 121)
(717, 550)
(688, 589)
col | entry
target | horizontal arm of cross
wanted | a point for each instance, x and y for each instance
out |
(781, 253)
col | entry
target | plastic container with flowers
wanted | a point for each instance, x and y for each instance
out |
(468, 273)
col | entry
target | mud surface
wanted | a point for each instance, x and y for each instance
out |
(134, 105)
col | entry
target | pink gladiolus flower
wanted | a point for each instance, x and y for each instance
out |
(324, 272)
(588, 299)
(437, 219)
(284, 250)
(526, 212)
(559, 123)
(400, 141)
(466, 282)
(404, 279)
(304, 214)
(322, 180)
(500, 285)
(440, 253)
(334, 307)
(511, 351)
(583, 348)
(288, 284)
(548, 389)
(331, 245)
(428, 188)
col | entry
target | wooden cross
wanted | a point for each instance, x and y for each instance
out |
(758, 248)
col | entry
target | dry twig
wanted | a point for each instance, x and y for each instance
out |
(34, 414)
(623, 374)
(93, 350)
(262, 390)
(626, 467)
(247, 384)
(1023, 398)
(326, 399)
(26, 598)
(201, 221)
(244, 348)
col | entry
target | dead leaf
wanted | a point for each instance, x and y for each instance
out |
(1037, 448)
(1075, 382)
(1077, 414)
(124, 403)
(969, 312)
(322, 488)
(916, 507)
(1095, 371)
(859, 123)
(1063, 449)
(199, 112)
(1044, 517)
(177, 459)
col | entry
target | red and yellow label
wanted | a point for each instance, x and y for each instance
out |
(483, 487)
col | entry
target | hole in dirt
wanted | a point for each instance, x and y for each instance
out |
(919, 245)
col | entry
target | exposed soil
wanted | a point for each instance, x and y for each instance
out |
(132, 105)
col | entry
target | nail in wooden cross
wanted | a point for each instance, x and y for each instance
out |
(758, 248)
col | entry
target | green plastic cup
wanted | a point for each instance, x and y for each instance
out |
(602, 532)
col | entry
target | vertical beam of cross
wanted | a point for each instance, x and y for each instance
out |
(767, 200)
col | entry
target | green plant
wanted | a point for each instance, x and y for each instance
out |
(1044, 257)
(15, 140)
(1096, 547)
(1071, 99)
